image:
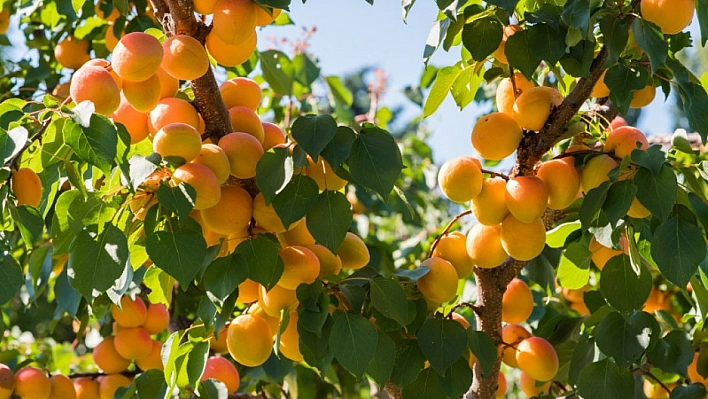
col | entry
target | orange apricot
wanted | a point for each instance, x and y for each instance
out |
(526, 197)
(461, 319)
(353, 252)
(533, 106)
(692, 372)
(32, 383)
(537, 358)
(107, 358)
(275, 300)
(241, 91)
(178, 140)
(501, 386)
(642, 98)
(171, 110)
(222, 370)
(301, 267)
(460, 179)
(219, 345)
(204, 7)
(637, 210)
(109, 384)
(110, 16)
(131, 313)
(7, 381)
(496, 135)
(87, 388)
(623, 140)
(272, 136)
(4, 21)
(95, 84)
(101, 63)
(517, 302)
(153, 361)
(602, 254)
(512, 335)
(453, 248)
(168, 85)
(158, 318)
(298, 235)
(248, 291)
(273, 322)
(184, 58)
(71, 52)
(596, 171)
(247, 341)
(144, 95)
(439, 285)
(204, 182)
(531, 387)
(230, 55)
(509, 31)
(505, 92)
(600, 90)
(522, 241)
(215, 158)
(62, 387)
(244, 151)
(266, 217)
(111, 40)
(290, 339)
(245, 120)
(672, 16)
(266, 16)
(561, 180)
(27, 187)
(484, 246)
(234, 21)
(330, 264)
(321, 172)
(489, 207)
(654, 391)
(137, 56)
(133, 343)
(135, 122)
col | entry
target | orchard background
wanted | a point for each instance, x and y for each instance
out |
(185, 216)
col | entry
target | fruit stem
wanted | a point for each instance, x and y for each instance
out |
(447, 229)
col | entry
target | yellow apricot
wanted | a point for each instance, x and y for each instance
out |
(248, 341)
(290, 339)
(642, 98)
(298, 235)
(623, 140)
(272, 136)
(153, 360)
(637, 210)
(562, 181)
(266, 217)
(184, 58)
(460, 179)
(230, 55)
(32, 383)
(137, 56)
(232, 213)
(248, 291)
(133, 343)
(219, 345)
(87, 388)
(132, 313)
(489, 207)
(654, 391)
(109, 384)
(321, 172)
(62, 387)
(204, 7)
(496, 136)
(530, 387)
(301, 267)
(178, 140)
(135, 122)
(330, 264)
(245, 120)
(234, 21)
(484, 246)
(501, 386)
(241, 91)
(533, 106)
(168, 85)
(171, 110)
(204, 182)
(672, 16)
(71, 52)
(215, 158)
(505, 92)
(27, 187)
(95, 84)
(111, 40)
(107, 358)
(158, 318)
(265, 17)
(517, 302)
(7, 381)
(512, 335)
(439, 285)
(221, 369)
(353, 252)
(275, 300)
(144, 95)
(509, 30)
(4, 21)
(596, 171)
(537, 358)
(244, 151)
(453, 248)
(602, 254)
(522, 241)
(526, 197)
(273, 322)
(600, 90)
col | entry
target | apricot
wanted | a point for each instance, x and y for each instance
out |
(7, 381)
(137, 56)
(526, 197)
(95, 84)
(505, 92)
(71, 52)
(111, 16)
(4, 21)
(453, 248)
(353, 252)
(230, 55)
(178, 140)
(461, 319)
(301, 267)
(642, 98)
(637, 210)
(460, 179)
(241, 91)
(135, 122)
(509, 30)
(222, 370)
(232, 213)
(244, 151)
(27, 187)
(298, 235)
(184, 58)
(330, 264)
(654, 391)
(133, 343)
(143, 96)
(204, 182)
(530, 386)
(158, 318)
(512, 335)
(248, 344)
(534, 106)
(439, 285)
(692, 372)
(107, 357)
(132, 313)
(266, 16)
(234, 21)
(272, 136)
(154, 358)
(109, 385)
(623, 140)
(600, 90)
(517, 302)
(62, 387)
(496, 136)
(32, 383)
(275, 300)
(522, 241)
(617, 122)
(561, 180)
(266, 217)
(87, 388)
(204, 7)
(671, 16)
(111, 40)
(101, 63)
(601, 254)
(484, 246)
(248, 291)
(501, 386)
(596, 171)
(141, 203)
(489, 207)
(219, 345)
(273, 322)
(215, 158)
(321, 172)
(245, 120)
(170, 110)
(290, 339)
(537, 358)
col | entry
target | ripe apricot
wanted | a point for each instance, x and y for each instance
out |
(602, 254)
(32, 383)
(642, 98)
(7, 381)
(71, 52)
(215, 158)
(204, 7)
(132, 313)
(184, 58)
(4, 21)
(453, 248)
(461, 319)
(219, 345)
(107, 357)
(275, 300)
(265, 17)
(537, 358)
(137, 56)
(235, 20)
(509, 30)
(637, 210)
(489, 207)
(247, 342)
(241, 91)
(692, 372)
(169, 86)
(290, 339)
(298, 235)
(266, 217)
(170, 110)
(87, 388)
(439, 285)
(144, 95)
(245, 120)
(101, 63)
(95, 84)
(230, 55)
(654, 391)
(460, 179)
(204, 182)
(109, 384)
(531, 387)
(353, 252)
(330, 264)
(484, 246)
(248, 291)
(272, 136)
(62, 387)
(154, 359)
(534, 106)
(562, 181)
(496, 136)
(526, 197)
(522, 241)
(512, 335)
(672, 16)
(221, 369)
(505, 92)
(501, 386)
(301, 267)
(600, 90)
(158, 318)
(110, 16)
(27, 187)
(273, 322)
(244, 151)
(517, 302)
(135, 122)
(177, 140)
(623, 140)
(321, 172)
(133, 343)
(111, 40)
(232, 213)
(596, 171)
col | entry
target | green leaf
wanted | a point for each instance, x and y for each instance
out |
(12, 142)
(622, 82)
(484, 349)
(306, 69)
(224, 275)
(314, 347)
(95, 262)
(692, 391)
(121, 6)
(68, 299)
(179, 253)
(329, 221)
(299, 197)
(592, 204)
(442, 341)
(140, 168)
(151, 384)
(339, 90)
(605, 380)
(652, 158)
(482, 36)
(273, 171)
(213, 389)
(96, 144)
(549, 43)
(672, 353)
(508, 5)
(30, 223)
(678, 248)
(160, 284)
(465, 87)
(702, 13)
(388, 297)
(519, 52)
(338, 150)
(11, 278)
(621, 340)
(458, 379)
(179, 200)
(409, 362)
(616, 34)
(441, 87)
(196, 362)
(652, 42)
(426, 385)
(619, 200)
(583, 354)
(574, 266)
(353, 342)
(278, 71)
(556, 237)
(314, 132)
(625, 288)
(381, 365)
(657, 193)
(375, 161)
(261, 254)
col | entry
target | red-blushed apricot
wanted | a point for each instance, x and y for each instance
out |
(562, 181)
(184, 58)
(522, 241)
(489, 207)
(266, 217)
(537, 358)
(248, 341)
(234, 20)
(71, 52)
(135, 122)
(600, 90)
(248, 291)
(137, 56)
(330, 264)
(111, 40)
(526, 197)
(461, 319)
(230, 55)
(169, 86)
(617, 122)
(692, 372)
(265, 17)
(301, 267)
(87, 388)
(144, 95)
(623, 140)
(244, 151)
(62, 388)
(32, 383)
(439, 285)
(290, 339)
(505, 92)
(321, 172)
(96, 85)
(512, 335)
(158, 318)
(517, 302)
(133, 343)
(215, 158)
(496, 136)
(642, 98)
(298, 235)
(101, 63)
(204, 7)
(275, 300)
(132, 313)
(245, 120)
(596, 171)
(177, 140)
(27, 187)
(501, 386)
(171, 110)
(222, 370)
(353, 252)
(453, 248)
(533, 106)
(109, 384)
(241, 91)
(107, 358)
(509, 31)
(7, 381)
(484, 246)
(4, 21)
(218, 345)
(531, 387)
(61, 91)
(204, 182)
(272, 136)
(672, 16)
(460, 179)
(273, 322)
(637, 210)
(602, 254)
(153, 361)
